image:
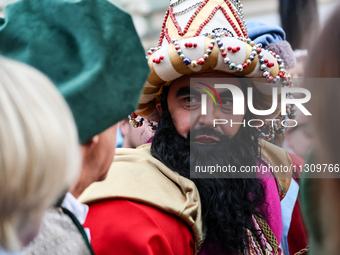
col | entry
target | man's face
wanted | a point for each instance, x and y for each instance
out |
(105, 152)
(184, 104)
(97, 158)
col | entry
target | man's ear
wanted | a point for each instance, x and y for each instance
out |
(159, 108)
(94, 140)
(88, 147)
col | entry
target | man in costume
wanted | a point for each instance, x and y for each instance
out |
(148, 204)
(75, 44)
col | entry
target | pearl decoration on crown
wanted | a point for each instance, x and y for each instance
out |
(237, 9)
(236, 3)
(188, 9)
(256, 51)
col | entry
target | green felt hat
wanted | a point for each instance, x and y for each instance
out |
(88, 48)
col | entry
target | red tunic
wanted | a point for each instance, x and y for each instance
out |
(124, 227)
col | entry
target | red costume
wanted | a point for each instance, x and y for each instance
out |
(130, 228)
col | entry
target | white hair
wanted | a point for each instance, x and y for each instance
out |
(39, 149)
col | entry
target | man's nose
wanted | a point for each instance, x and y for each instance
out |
(208, 119)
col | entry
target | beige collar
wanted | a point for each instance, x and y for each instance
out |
(137, 176)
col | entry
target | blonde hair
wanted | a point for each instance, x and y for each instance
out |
(39, 149)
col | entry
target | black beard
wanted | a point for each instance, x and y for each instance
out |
(227, 206)
(240, 150)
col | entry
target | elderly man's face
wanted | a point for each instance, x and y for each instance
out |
(184, 103)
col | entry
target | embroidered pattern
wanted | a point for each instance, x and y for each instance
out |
(201, 242)
(268, 235)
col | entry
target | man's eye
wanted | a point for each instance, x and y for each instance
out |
(227, 103)
(191, 100)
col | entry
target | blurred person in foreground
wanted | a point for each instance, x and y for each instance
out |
(149, 202)
(83, 47)
(39, 152)
(320, 197)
